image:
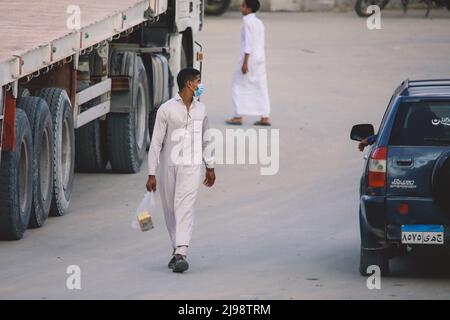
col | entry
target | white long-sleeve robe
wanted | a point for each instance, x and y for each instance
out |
(249, 91)
(179, 132)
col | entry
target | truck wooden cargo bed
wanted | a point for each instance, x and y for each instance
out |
(35, 33)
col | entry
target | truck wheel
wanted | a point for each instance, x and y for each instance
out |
(127, 132)
(183, 58)
(63, 148)
(151, 122)
(90, 142)
(90, 146)
(187, 51)
(40, 120)
(16, 182)
(362, 5)
(373, 257)
(217, 7)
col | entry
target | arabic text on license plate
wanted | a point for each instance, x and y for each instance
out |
(422, 234)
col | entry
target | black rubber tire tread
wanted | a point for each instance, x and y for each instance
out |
(60, 108)
(218, 9)
(375, 257)
(13, 222)
(151, 122)
(40, 119)
(123, 152)
(90, 144)
(359, 11)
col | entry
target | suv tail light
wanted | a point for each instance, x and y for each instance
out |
(377, 168)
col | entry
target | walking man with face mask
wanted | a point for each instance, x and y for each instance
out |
(180, 137)
(249, 86)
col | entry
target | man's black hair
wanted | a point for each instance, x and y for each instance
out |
(186, 75)
(253, 4)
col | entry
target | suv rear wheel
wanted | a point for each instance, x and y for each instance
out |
(373, 258)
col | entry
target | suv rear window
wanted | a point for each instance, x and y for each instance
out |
(424, 123)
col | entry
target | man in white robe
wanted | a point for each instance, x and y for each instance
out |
(249, 85)
(178, 147)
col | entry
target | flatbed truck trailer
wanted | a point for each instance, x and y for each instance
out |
(80, 84)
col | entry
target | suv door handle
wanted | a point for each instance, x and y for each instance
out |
(404, 162)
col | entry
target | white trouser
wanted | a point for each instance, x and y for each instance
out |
(236, 115)
(178, 186)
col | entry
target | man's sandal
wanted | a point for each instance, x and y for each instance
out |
(234, 121)
(262, 123)
(181, 264)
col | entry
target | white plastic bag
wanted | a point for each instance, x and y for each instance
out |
(142, 217)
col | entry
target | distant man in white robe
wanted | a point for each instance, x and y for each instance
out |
(178, 147)
(249, 85)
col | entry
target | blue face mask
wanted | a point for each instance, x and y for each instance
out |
(199, 91)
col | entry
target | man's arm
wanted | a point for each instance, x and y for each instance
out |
(367, 141)
(159, 133)
(245, 63)
(207, 152)
(371, 140)
(248, 47)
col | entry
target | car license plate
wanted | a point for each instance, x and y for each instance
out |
(422, 234)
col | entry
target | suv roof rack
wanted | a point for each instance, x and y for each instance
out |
(406, 84)
(428, 80)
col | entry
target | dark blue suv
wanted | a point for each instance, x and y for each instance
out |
(405, 186)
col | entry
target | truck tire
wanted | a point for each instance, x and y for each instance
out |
(440, 182)
(216, 7)
(90, 144)
(373, 257)
(151, 122)
(63, 153)
(187, 50)
(127, 132)
(40, 121)
(16, 187)
(183, 58)
(362, 5)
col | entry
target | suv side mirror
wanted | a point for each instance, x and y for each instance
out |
(361, 131)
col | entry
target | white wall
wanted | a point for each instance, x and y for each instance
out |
(297, 5)
(311, 5)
